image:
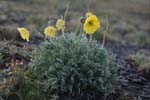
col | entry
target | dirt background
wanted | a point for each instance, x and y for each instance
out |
(128, 33)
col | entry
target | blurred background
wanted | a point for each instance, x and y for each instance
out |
(129, 20)
(128, 34)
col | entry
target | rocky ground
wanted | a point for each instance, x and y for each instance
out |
(128, 33)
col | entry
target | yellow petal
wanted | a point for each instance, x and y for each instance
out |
(88, 14)
(60, 24)
(50, 31)
(24, 33)
(91, 24)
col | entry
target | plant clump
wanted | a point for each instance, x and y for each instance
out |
(141, 63)
(73, 66)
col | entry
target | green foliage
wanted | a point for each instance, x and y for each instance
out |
(13, 85)
(143, 38)
(9, 50)
(141, 61)
(26, 89)
(71, 64)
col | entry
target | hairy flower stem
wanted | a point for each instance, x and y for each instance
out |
(45, 38)
(62, 31)
(104, 36)
(66, 11)
(90, 38)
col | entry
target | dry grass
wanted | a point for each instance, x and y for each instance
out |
(142, 61)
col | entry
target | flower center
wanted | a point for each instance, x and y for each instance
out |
(90, 23)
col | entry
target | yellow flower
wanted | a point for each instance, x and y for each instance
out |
(60, 24)
(91, 24)
(50, 31)
(88, 14)
(24, 33)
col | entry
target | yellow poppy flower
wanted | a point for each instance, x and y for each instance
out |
(60, 24)
(50, 31)
(24, 33)
(91, 24)
(88, 14)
